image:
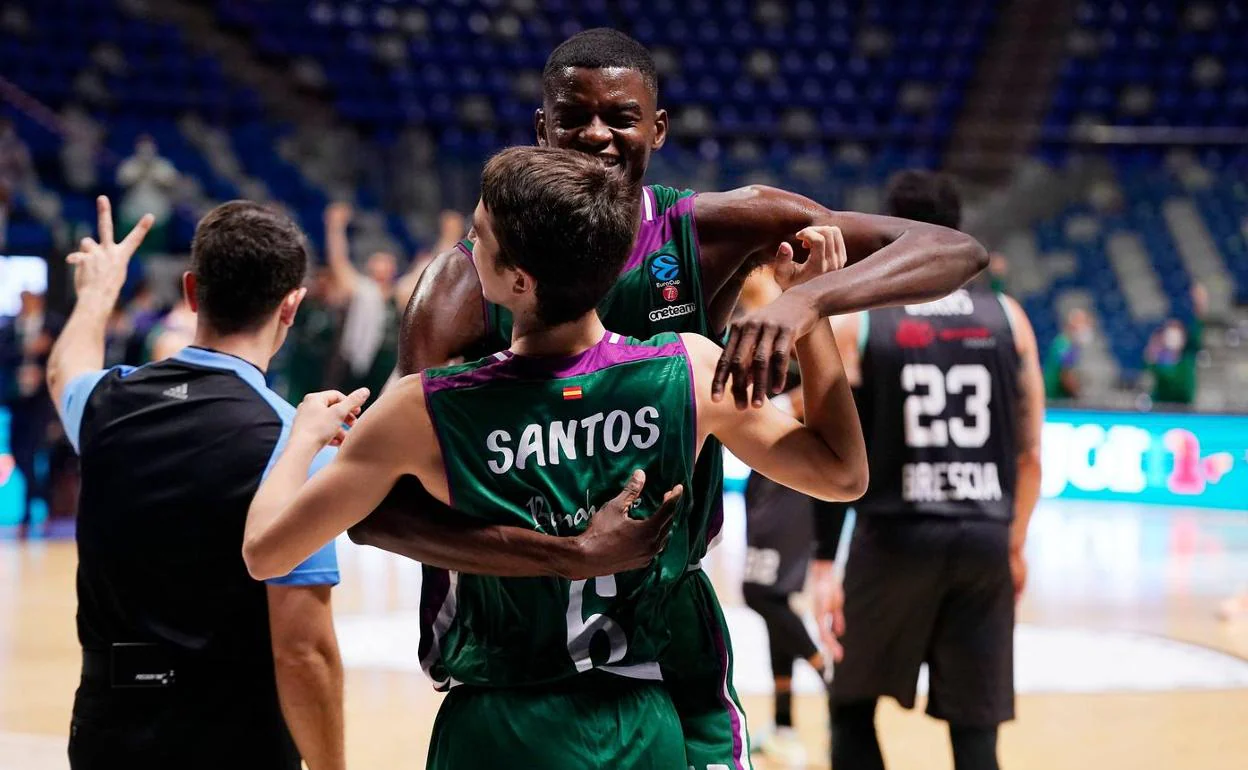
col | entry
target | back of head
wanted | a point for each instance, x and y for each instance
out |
(601, 48)
(924, 196)
(563, 218)
(245, 258)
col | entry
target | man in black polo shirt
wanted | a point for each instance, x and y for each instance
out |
(187, 661)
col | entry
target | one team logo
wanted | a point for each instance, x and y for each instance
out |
(665, 268)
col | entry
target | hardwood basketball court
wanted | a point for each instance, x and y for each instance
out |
(1121, 660)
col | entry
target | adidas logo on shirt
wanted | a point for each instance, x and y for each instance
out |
(177, 391)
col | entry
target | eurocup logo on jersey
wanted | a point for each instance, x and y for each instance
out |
(665, 269)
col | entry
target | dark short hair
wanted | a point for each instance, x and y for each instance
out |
(563, 218)
(601, 48)
(924, 196)
(245, 258)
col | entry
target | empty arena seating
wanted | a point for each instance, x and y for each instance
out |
(825, 98)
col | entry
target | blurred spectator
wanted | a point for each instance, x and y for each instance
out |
(369, 345)
(1061, 378)
(80, 152)
(452, 228)
(310, 344)
(148, 180)
(1172, 352)
(998, 269)
(16, 172)
(25, 341)
(174, 331)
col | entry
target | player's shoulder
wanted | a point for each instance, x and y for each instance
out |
(701, 350)
(665, 198)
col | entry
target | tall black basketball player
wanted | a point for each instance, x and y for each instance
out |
(952, 403)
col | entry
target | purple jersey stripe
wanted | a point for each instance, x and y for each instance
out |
(656, 232)
(519, 368)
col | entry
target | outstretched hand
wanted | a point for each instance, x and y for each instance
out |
(100, 267)
(760, 343)
(615, 541)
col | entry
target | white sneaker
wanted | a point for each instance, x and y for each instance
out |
(783, 749)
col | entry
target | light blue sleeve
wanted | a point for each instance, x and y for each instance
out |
(74, 400)
(321, 568)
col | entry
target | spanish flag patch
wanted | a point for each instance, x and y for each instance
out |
(572, 393)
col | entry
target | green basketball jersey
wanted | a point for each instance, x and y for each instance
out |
(659, 290)
(542, 443)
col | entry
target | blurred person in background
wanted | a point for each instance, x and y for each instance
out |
(451, 228)
(174, 331)
(998, 272)
(1061, 374)
(25, 341)
(952, 404)
(369, 343)
(1172, 352)
(311, 344)
(16, 172)
(148, 180)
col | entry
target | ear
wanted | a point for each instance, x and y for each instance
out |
(660, 129)
(290, 306)
(521, 282)
(539, 126)
(188, 290)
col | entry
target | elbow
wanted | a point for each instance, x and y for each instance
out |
(846, 486)
(969, 254)
(857, 481)
(296, 656)
(260, 564)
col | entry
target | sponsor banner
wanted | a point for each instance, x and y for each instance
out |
(1198, 460)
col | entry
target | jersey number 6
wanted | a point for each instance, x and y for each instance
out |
(581, 630)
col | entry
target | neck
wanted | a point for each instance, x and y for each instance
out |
(530, 338)
(253, 347)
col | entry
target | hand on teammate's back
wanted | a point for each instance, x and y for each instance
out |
(615, 541)
(760, 343)
(323, 418)
(100, 268)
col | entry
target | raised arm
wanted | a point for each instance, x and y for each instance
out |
(1030, 421)
(99, 273)
(826, 457)
(342, 273)
(891, 261)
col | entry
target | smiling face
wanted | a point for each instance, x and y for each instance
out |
(608, 112)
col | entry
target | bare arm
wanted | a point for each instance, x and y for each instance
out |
(1030, 423)
(825, 458)
(289, 520)
(99, 273)
(338, 250)
(892, 261)
(846, 328)
(309, 672)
